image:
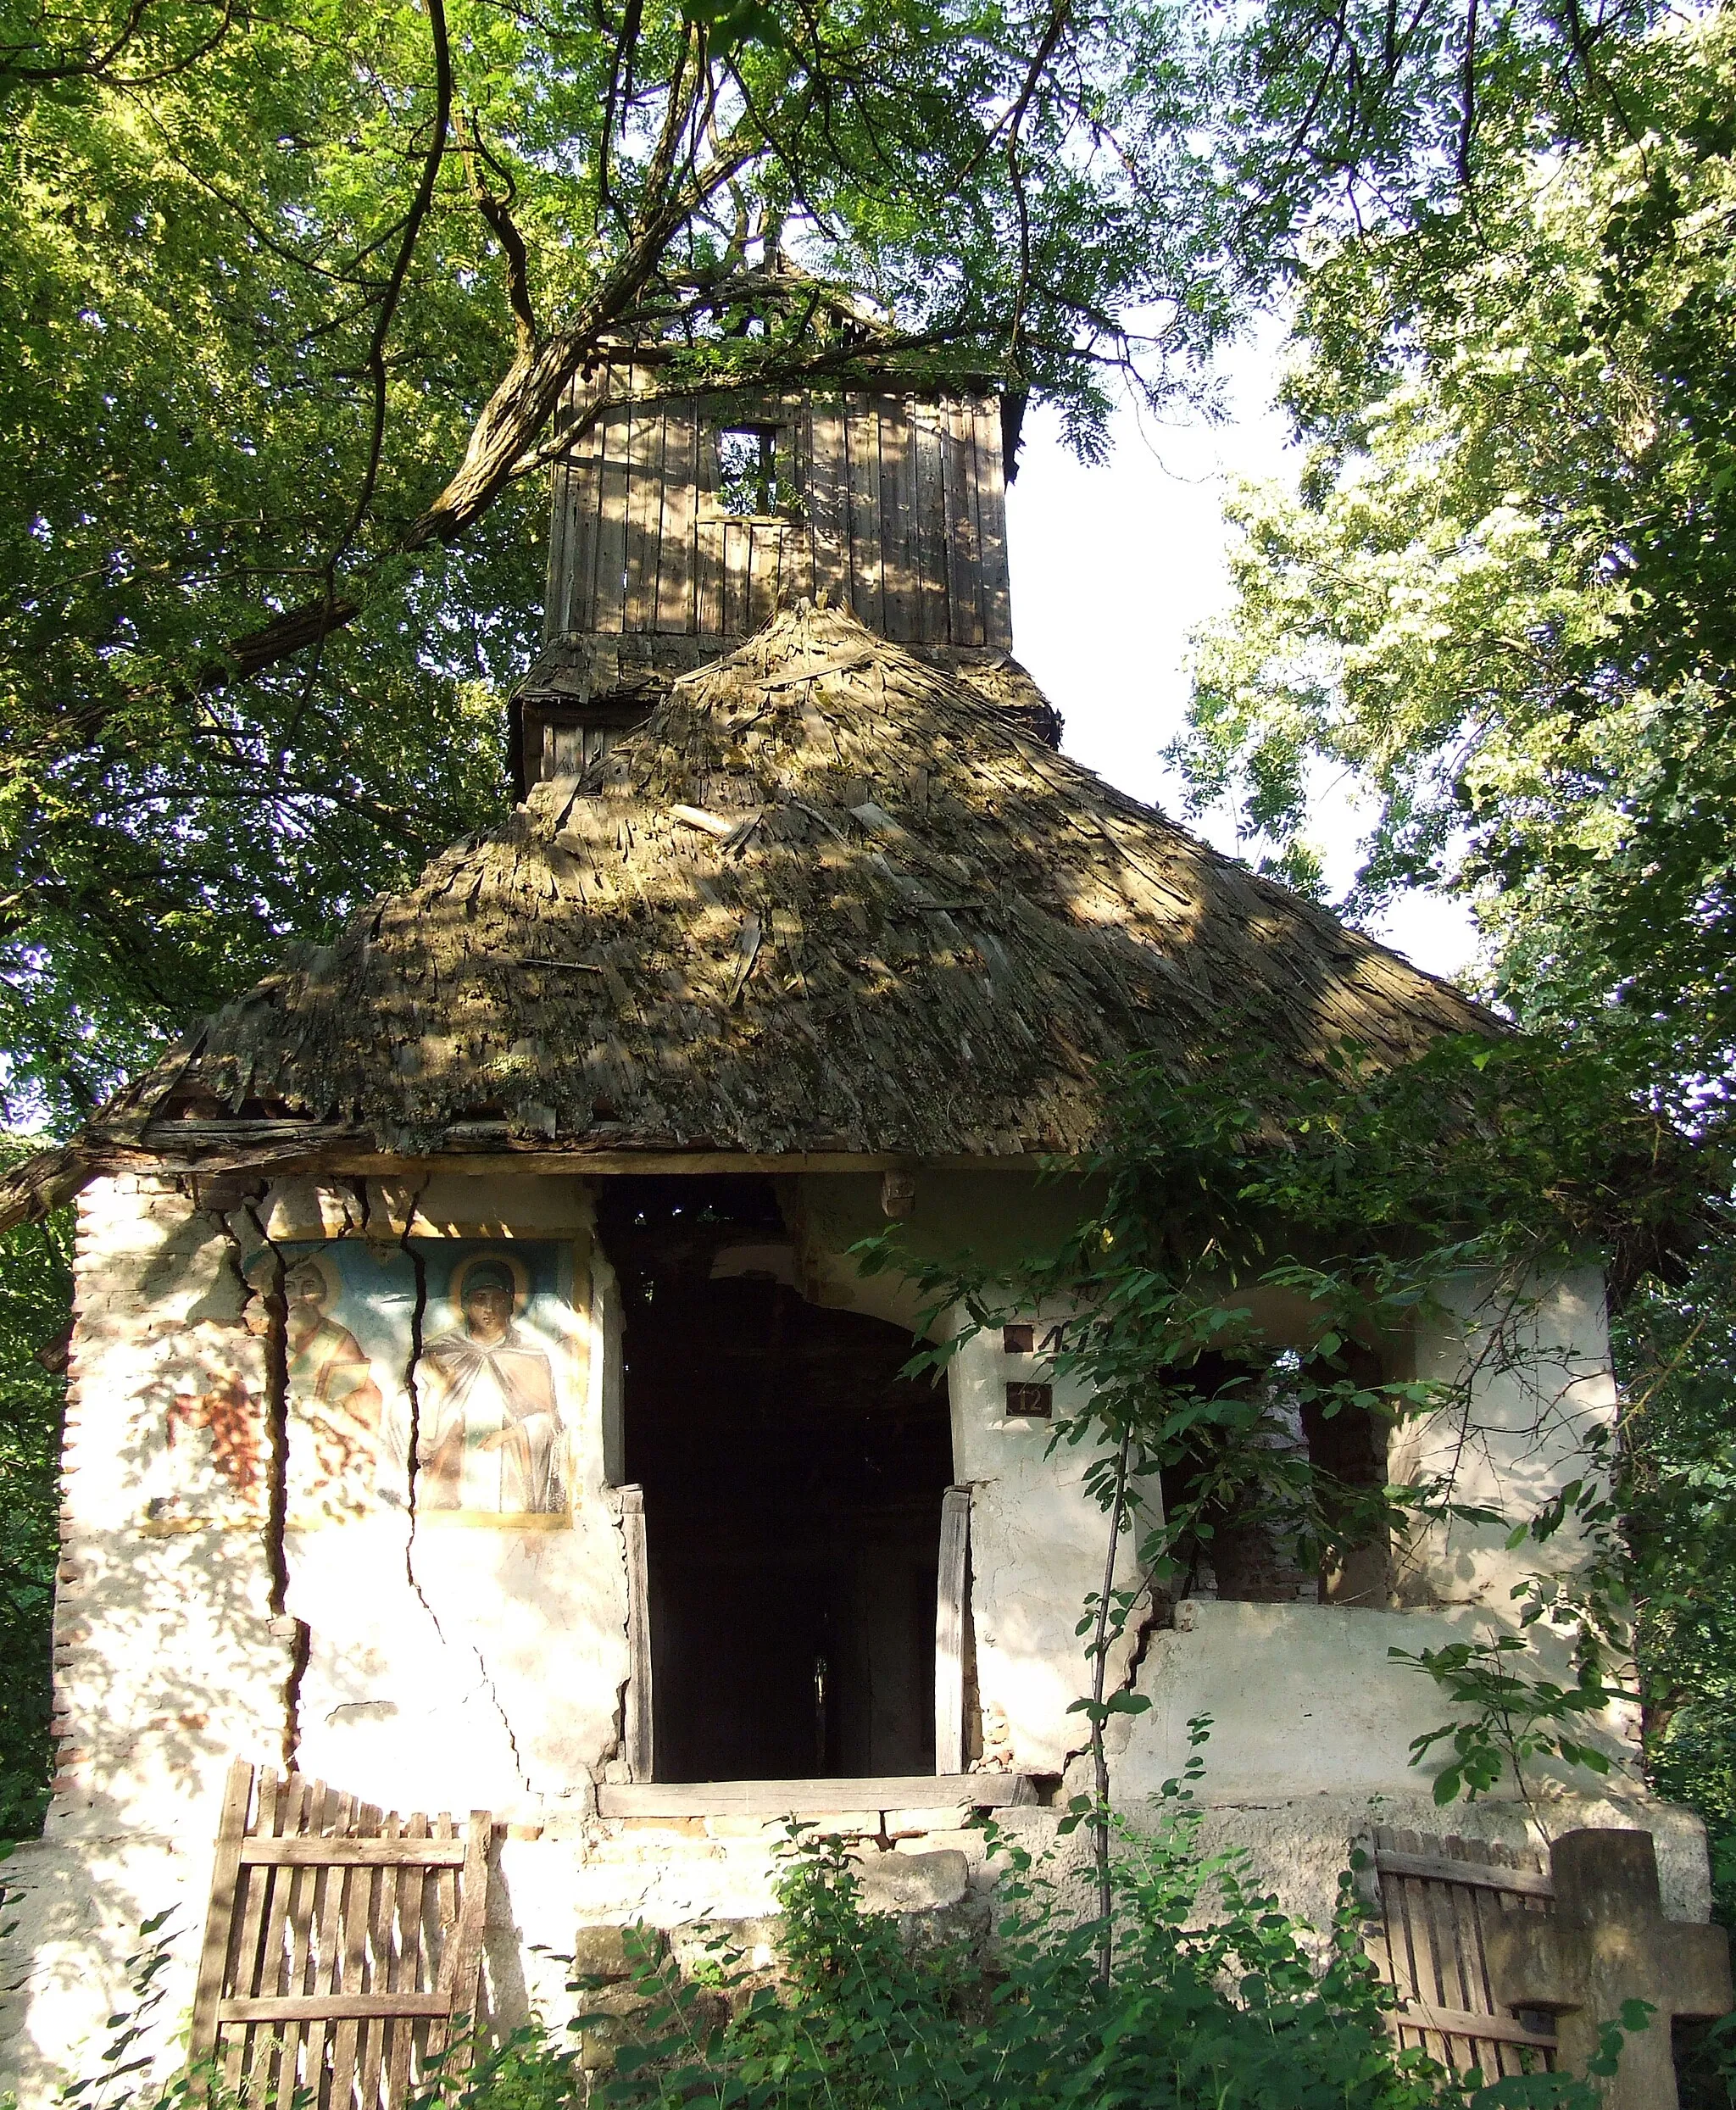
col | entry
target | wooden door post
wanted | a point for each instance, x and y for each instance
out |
(638, 1747)
(950, 1611)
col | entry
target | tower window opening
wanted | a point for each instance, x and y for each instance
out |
(753, 478)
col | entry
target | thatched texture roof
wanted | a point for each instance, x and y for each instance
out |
(824, 900)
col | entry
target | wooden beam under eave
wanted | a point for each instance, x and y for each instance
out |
(583, 1164)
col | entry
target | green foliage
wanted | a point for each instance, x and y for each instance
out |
(1678, 1349)
(289, 295)
(114, 2080)
(289, 292)
(1502, 595)
(35, 1309)
(1515, 1716)
(1351, 1200)
(1218, 1999)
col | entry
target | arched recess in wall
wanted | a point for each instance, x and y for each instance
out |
(1253, 1551)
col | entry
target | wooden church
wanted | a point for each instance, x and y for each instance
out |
(476, 1406)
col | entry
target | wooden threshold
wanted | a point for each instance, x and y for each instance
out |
(816, 1798)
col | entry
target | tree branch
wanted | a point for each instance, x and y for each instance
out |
(418, 213)
(497, 212)
(526, 396)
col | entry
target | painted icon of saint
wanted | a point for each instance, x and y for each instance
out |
(332, 1385)
(489, 1422)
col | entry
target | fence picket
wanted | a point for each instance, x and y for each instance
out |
(336, 1958)
(1435, 1895)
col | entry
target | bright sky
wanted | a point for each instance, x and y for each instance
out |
(1113, 567)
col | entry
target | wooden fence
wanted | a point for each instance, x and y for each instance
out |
(341, 1945)
(1436, 1898)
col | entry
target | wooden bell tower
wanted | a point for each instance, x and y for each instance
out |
(680, 527)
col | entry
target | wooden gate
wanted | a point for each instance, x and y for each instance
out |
(341, 1945)
(1436, 1899)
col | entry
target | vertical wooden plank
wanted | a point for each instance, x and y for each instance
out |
(738, 550)
(795, 564)
(248, 1962)
(644, 513)
(574, 608)
(1507, 2059)
(273, 1973)
(949, 1606)
(639, 1748)
(1417, 1962)
(379, 1973)
(862, 496)
(974, 413)
(226, 1871)
(445, 1889)
(901, 599)
(766, 550)
(350, 1958)
(827, 500)
(709, 532)
(558, 578)
(405, 1969)
(1398, 1947)
(609, 593)
(304, 1897)
(964, 571)
(326, 1961)
(1444, 1907)
(557, 590)
(931, 524)
(992, 525)
(676, 551)
(461, 1966)
(708, 569)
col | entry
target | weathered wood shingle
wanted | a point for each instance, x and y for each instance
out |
(824, 900)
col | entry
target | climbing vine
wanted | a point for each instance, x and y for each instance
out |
(1364, 1203)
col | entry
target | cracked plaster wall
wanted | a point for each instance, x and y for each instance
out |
(1305, 1698)
(471, 1669)
(1542, 1387)
(410, 1666)
(168, 1658)
(429, 1673)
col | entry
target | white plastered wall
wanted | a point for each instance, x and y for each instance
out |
(458, 1669)
(1306, 1698)
(1541, 1395)
(167, 1659)
(471, 1669)
(1039, 1544)
(416, 1667)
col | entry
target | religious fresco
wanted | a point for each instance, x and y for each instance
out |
(479, 1368)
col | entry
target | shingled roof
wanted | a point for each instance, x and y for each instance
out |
(824, 900)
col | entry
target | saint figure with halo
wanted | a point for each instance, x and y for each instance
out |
(489, 1420)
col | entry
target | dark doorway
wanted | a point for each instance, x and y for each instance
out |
(793, 1495)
